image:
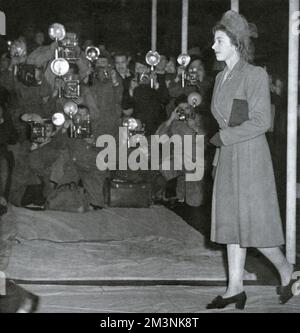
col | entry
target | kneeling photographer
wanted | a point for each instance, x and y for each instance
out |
(184, 120)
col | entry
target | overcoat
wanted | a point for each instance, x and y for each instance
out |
(245, 207)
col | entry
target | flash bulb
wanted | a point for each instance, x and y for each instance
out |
(152, 58)
(70, 109)
(92, 53)
(194, 99)
(60, 67)
(131, 123)
(58, 119)
(57, 32)
(183, 59)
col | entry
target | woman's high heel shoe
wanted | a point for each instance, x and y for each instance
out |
(286, 292)
(220, 303)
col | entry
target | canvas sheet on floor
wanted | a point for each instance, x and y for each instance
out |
(109, 244)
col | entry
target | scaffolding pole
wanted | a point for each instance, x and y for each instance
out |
(184, 27)
(291, 186)
(235, 5)
(154, 25)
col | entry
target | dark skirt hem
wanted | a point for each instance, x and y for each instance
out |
(243, 245)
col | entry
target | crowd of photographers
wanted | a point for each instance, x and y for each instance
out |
(53, 163)
(52, 115)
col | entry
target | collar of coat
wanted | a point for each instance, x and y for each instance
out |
(239, 66)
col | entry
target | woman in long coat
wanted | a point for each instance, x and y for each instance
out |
(245, 210)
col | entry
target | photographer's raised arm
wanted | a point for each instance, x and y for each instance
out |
(132, 86)
(165, 127)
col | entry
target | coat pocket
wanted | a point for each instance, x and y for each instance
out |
(239, 112)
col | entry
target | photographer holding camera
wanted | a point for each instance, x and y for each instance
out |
(196, 80)
(183, 121)
(148, 105)
(122, 62)
(23, 76)
(104, 98)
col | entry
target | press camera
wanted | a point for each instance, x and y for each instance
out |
(41, 132)
(71, 89)
(143, 78)
(135, 129)
(28, 75)
(193, 77)
(183, 115)
(194, 99)
(76, 118)
(92, 53)
(69, 48)
(106, 74)
(17, 48)
(82, 124)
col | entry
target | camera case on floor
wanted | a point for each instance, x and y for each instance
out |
(127, 194)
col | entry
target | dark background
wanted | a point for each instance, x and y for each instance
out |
(126, 24)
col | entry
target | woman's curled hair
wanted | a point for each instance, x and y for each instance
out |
(244, 45)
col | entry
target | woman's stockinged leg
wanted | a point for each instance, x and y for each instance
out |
(275, 255)
(236, 263)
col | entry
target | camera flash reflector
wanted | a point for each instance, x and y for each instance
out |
(70, 109)
(58, 119)
(57, 32)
